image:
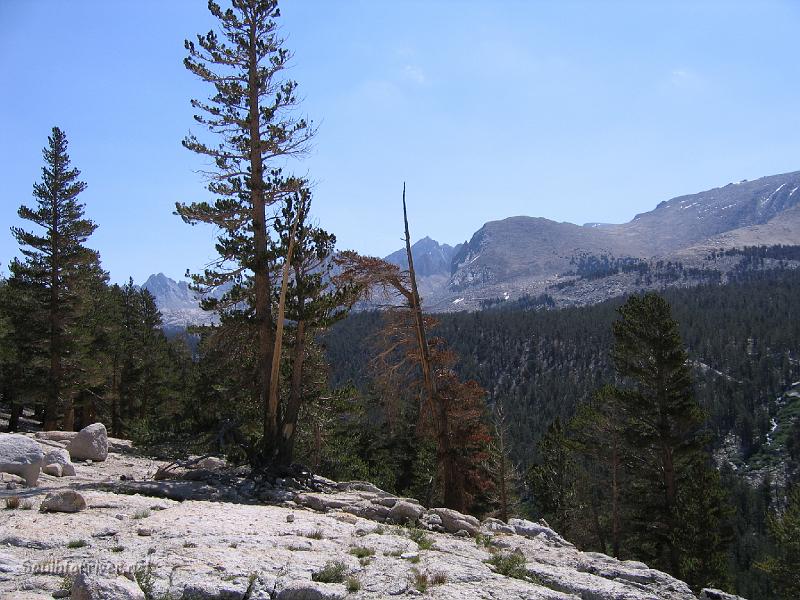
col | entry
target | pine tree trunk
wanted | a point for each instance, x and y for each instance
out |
(615, 520)
(90, 414)
(16, 408)
(601, 538)
(670, 504)
(452, 492)
(289, 426)
(54, 392)
(68, 421)
(278, 350)
(263, 303)
(115, 397)
(503, 484)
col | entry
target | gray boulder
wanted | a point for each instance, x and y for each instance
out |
(215, 590)
(405, 511)
(53, 469)
(367, 510)
(530, 529)
(492, 525)
(91, 443)
(61, 457)
(92, 587)
(20, 455)
(454, 521)
(68, 501)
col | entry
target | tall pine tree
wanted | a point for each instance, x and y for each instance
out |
(55, 269)
(666, 445)
(251, 111)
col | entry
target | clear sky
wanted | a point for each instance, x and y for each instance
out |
(575, 111)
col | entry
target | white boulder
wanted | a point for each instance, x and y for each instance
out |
(529, 529)
(20, 455)
(91, 443)
(59, 456)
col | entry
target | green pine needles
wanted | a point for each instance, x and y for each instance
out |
(55, 279)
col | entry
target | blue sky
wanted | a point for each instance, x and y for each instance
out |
(574, 111)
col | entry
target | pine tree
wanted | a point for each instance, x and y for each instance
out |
(139, 362)
(783, 566)
(597, 438)
(552, 479)
(251, 112)
(663, 435)
(11, 344)
(56, 268)
(505, 472)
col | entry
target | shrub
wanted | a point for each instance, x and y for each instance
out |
(421, 538)
(439, 578)
(419, 580)
(362, 551)
(13, 502)
(77, 544)
(353, 584)
(332, 572)
(510, 564)
(146, 580)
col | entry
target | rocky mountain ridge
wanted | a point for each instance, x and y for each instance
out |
(520, 257)
(526, 256)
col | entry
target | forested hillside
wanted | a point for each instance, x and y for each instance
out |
(743, 340)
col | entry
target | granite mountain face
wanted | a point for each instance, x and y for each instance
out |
(178, 304)
(677, 243)
(534, 256)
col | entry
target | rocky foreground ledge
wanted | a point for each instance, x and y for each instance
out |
(146, 530)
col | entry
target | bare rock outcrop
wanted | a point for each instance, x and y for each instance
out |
(91, 587)
(223, 540)
(311, 590)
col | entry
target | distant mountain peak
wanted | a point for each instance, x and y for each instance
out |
(178, 304)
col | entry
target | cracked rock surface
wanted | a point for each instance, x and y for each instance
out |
(226, 541)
